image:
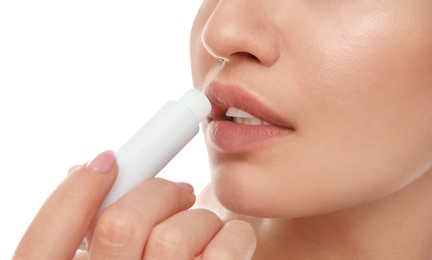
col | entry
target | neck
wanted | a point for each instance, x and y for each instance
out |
(398, 226)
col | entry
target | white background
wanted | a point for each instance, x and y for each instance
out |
(79, 77)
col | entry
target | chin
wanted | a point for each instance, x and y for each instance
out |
(257, 186)
(246, 189)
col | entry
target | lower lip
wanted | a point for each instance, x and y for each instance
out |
(236, 138)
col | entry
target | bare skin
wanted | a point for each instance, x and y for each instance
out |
(395, 227)
(152, 221)
(339, 165)
(352, 82)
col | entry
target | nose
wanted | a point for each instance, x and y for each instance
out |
(242, 29)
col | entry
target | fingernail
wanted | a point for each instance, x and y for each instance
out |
(103, 163)
(186, 186)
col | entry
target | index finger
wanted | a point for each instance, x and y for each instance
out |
(62, 222)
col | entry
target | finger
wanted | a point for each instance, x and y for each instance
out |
(236, 241)
(122, 229)
(74, 169)
(81, 255)
(182, 236)
(69, 211)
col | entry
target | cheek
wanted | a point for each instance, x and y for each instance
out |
(363, 104)
(373, 91)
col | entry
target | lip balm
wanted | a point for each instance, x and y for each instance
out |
(155, 144)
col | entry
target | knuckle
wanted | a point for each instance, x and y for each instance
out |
(242, 226)
(167, 241)
(176, 198)
(245, 248)
(205, 212)
(168, 188)
(116, 228)
(215, 254)
(239, 242)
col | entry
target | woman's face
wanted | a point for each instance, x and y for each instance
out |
(344, 88)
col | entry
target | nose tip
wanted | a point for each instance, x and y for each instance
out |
(230, 33)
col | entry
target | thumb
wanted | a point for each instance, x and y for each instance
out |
(62, 222)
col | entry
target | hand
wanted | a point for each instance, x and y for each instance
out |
(152, 221)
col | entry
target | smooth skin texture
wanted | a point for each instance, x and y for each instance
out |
(353, 180)
(152, 221)
(354, 79)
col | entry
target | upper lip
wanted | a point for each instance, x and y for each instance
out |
(225, 95)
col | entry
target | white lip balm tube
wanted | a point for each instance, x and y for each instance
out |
(157, 142)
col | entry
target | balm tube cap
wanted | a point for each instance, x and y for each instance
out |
(197, 103)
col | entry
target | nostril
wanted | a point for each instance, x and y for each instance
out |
(253, 56)
(247, 55)
(244, 55)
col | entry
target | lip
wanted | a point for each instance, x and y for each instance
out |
(232, 137)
